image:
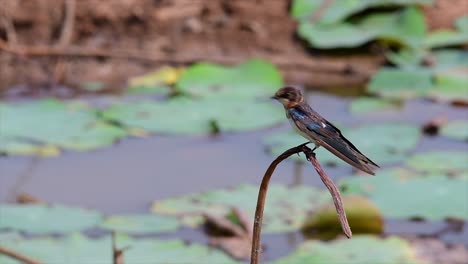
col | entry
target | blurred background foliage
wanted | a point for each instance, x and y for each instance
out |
(155, 117)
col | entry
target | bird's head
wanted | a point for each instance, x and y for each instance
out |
(288, 96)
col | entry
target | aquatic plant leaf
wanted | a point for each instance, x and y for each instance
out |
(251, 79)
(43, 219)
(401, 194)
(440, 161)
(337, 11)
(140, 223)
(363, 217)
(11, 146)
(457, 129)
(359, 249)
(71, 125)
(450, 86)
(371, 105)
(405, 28)
(377, 141)
(77, 248)
(446, 37)
(283, 212)
(157, 81)
(186, 116)
(400, 84)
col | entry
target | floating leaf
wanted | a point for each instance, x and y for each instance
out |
(363, 217)
(359, 249)
(185, 116)
(283, 212)
(377, 141)
(457, 129)
(77, 248)
(252, 79)
(50, 122)
(140, 223)
(42, 219)
(11, 146)
(405, 28)
(155, 82)
(445, 37)
(401, 194)
(371, 105)
(339, 10)
(400, 84)
(440, 161)
(450, 86)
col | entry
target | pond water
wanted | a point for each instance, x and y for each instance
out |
(127, 177)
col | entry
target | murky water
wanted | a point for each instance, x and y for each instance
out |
(130, 175)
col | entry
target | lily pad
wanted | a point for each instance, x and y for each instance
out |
(405, 28)
(401, 194)
(383, 143)
(440, 161)
(401, 84)
(283, 212)
(371, 105)
(70, 125)
(11, 146)
(186, 116)
(446, 37)
(363, 217)
(43, 219)
(155, 82)
(340, 10)
(359, 249)
(140, 224)
(252, 79)
(77, 248)
(457, 129)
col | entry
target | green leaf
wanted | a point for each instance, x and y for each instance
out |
(252, 79)
(457, 129)
(363, 217)
(12, 146)
(69, 125)
(382, 143)
(43, 219)
(450, 86)
(155, 82)
(359, 249)
(140, 223)
(283, 212)
(185, 116)
(405, 28)
(77, 248)
(337, 11)
(371, 105)
(401, 194)
(446, 37)
(440, 161)
(400, 84)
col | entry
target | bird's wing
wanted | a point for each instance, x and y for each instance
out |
(330, 137)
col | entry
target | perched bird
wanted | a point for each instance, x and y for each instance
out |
(319, 131)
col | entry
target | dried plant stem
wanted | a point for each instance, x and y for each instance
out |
(310, 155)
(18, 256)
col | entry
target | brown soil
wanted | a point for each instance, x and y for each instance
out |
(109, 41)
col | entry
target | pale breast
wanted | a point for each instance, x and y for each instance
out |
(300, 132)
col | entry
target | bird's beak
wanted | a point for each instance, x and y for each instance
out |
(274, 97)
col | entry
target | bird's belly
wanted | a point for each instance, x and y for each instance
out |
(300, 132)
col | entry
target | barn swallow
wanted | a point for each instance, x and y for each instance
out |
(319, 131)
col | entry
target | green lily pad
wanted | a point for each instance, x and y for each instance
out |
(51, 122)
(42, 219)
(283, 212)
(155, 82)
(401, 84)
(140, 223)
(77, 248)
(371, 105)
(450, 86)
(12, 146)
(252, 79)
(340, 10)
(457, 129)
(359, 249)
(363, 217)
(383, 143)
(401, 194)
(185, 116)
(405, 28)
(446, 37)
(440, 161)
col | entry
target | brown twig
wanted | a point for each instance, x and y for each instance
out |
(68, 23)
(117, 254)
(18, 256)
(335, 193)
(310, 155)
